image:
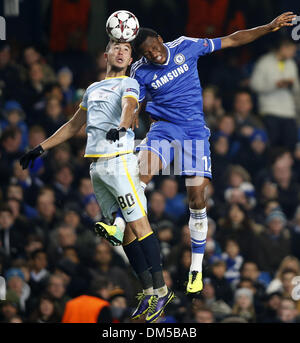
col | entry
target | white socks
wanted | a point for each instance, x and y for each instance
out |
(143, 185)
(120, 223)
(148, 291)
(161, 292)
(198, 227)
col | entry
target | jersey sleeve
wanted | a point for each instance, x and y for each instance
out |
(83, 105)
(203, 46)
(135, 74)
(131, 89)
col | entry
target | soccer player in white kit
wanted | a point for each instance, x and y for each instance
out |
(107, 108)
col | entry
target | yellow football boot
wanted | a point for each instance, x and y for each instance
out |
(195, 284)
(110, 232)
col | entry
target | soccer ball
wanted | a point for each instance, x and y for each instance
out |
(122, 26)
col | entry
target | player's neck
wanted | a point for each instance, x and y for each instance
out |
(110, 75)
(115, 72)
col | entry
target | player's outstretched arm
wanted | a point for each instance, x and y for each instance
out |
(247, 36)
(65, 132)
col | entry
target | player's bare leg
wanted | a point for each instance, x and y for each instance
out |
(196, 188)
(129, 236)
(149, 165)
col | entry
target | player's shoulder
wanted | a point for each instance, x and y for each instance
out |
(130, 81)
(93, 85)
(182, 40)
(138, 66)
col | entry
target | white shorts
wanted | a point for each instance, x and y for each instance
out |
(116, 185)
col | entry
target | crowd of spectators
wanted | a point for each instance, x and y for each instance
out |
(49, 253)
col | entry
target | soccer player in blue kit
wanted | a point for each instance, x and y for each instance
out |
(168, 75)
(168, 78)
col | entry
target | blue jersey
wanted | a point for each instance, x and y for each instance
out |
(174, 87)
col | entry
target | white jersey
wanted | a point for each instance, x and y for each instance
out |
(103, 103)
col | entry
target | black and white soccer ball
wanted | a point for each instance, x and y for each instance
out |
(122, 26)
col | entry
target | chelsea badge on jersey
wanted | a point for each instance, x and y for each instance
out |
(179, 59)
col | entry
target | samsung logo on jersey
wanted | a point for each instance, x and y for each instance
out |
(170, 76)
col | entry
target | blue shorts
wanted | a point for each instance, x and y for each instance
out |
(187, 144)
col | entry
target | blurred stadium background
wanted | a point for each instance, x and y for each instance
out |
(48, 252)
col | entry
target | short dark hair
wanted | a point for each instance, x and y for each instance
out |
(143, 34)
(218, 263)
(248, 261)
(50, 86)
(98, 283)
(5, 208)
(108, 45)
(62, 166)
(33, 47)
(10, 132)
(243, 90)
(36, 252)
(245, 279)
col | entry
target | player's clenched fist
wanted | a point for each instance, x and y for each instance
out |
(115, 134)
(30, 156)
